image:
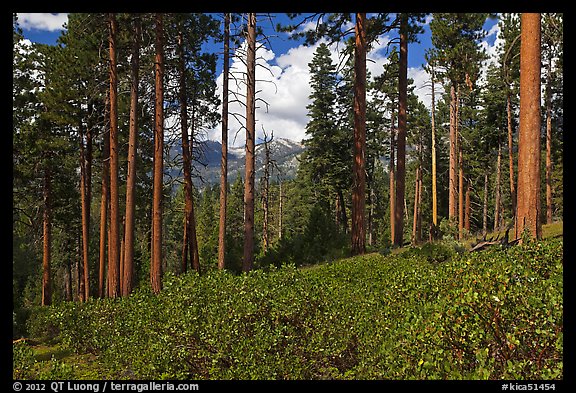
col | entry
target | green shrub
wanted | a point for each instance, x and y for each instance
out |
(428, 313)
(23, 362)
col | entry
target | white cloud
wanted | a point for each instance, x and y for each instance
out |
(283, 88)
(42, 21)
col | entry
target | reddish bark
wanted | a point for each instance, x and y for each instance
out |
(528, 193)
(249, 189)
(128, 258)
(224, 160)
(114, 240)
(156, 260)
(359, 172)
(401, 141)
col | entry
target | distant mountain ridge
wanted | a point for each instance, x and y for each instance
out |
(284, 152)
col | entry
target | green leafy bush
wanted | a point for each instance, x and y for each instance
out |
(495, 314)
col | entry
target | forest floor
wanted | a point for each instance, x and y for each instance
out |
(86, 366)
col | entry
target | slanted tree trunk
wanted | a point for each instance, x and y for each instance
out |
(114, 240)
(359, 165)
(156, 262)
(528, 193)
(47, 240)
(249, 189)
(401, 142)
(224, 160)
(128, 262)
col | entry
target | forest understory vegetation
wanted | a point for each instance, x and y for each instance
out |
(429, 312)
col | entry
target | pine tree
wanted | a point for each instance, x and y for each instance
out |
(359, 179)
(528, 197)
(249, 186)
(224, 159)
(114, 239)
(128, 249)
(156, 261)
(456, 48)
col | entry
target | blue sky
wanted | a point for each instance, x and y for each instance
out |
(285, 86)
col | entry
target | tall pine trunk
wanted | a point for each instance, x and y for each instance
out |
(460, 193)
(359, 172)
(528, 193)
(104, 202)
(549, 141)
(156, 262)
(86, 197)
(498, 202)
(453, 164)
(511, 150)
(114, 240)
(224, 159)
(47, 239)
(467, 210)
(434, 192)
(415, 239)
(392, 177)
(128, 263)
(189, 241)
(249, 187)
(485, 207)
(401, 142)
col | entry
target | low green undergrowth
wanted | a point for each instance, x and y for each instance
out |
(423, 314)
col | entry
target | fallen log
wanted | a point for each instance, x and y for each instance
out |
(503, 242)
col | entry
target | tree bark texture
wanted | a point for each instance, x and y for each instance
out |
(128, 271)
(359, 164)
(47, 240)
(114, 240)
(86, 197)
(249, 189)
(434, 192)
(224, 159)
(497, 197)
(189, 236)
(392, 178)
(511, 151)
(549, 206)
(528, 193)
(401, 141)
(156, 262)
(453, 164)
